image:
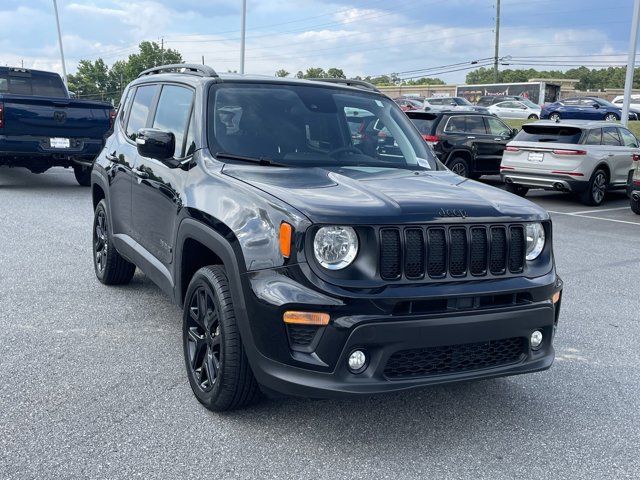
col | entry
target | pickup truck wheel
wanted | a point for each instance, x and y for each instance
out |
(459, 166)
(110, 267)
(217, 366)
(595, 192)
(83, 175)
(516, 189)
(635, 205)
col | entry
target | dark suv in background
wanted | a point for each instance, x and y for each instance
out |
(312, 257)
(468, 143)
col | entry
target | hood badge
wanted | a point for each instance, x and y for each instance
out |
(452, 212)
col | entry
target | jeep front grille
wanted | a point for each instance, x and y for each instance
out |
(454, 252)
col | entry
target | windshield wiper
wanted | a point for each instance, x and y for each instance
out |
(241, 158)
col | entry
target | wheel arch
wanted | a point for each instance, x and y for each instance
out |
(604, 166)
(460, 153)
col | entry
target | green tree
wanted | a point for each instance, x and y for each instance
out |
(315, 72)
(282, 73)
(335, 73)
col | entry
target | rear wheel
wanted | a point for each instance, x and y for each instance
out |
(217, 366)
(596, 189)
(110, 267)
(460, 166)
(611, 117)
(83, 175)
(516, 189)
(555, 116)
(635, 205)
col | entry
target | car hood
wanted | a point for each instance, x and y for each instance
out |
(361, 195)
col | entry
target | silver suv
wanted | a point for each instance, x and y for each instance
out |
(585, 157)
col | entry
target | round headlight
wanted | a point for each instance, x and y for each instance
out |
(335, 247)
(535, 240)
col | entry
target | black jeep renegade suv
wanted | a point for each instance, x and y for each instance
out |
(311, 256)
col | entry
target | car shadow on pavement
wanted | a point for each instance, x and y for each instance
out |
(18, 178)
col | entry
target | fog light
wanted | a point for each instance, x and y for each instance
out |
(357, 361)
(536, 339)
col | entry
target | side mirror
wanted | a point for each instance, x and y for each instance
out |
(596, 105)
(157, 144)
(514, 132)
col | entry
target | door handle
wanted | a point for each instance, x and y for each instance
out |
(611, 155)
(140, 173)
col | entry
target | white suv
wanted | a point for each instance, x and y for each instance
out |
(585, 157)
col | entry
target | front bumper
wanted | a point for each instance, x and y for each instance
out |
(404, 350)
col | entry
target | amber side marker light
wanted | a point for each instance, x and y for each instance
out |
(306, 318)
(555, 297)
(285, 239)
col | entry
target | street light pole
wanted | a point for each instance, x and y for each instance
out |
(497, 45)
(631, 62)
(242, 34)
(64, 67)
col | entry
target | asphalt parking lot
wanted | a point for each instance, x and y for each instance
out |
(92, 380)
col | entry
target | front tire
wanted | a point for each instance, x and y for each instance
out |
(82, 174)
(110, 267)
(217, 366)
(635, 205)
(516, 189)
(596, 189)
(611, 117)
(555, 116)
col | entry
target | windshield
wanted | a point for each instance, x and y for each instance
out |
(313, 126)
(605, 103)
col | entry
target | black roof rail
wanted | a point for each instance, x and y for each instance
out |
(349, 83)
(188, 68)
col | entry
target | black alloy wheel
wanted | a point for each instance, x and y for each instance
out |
(204, 337)
(110, 267)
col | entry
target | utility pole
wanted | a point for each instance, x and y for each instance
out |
(64, 67)
(497, 47)
(203, 59)
(631, 62)
(242, 34)
(162, 51)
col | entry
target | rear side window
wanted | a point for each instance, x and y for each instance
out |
(423, 125)
(594, 137)
(549, 133)
(173, 112)
(465, 124)
(610, 136)
(140, 109)
(628, 138)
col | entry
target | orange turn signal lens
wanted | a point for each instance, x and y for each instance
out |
(555, 297)
(306, 318)
(285, 239)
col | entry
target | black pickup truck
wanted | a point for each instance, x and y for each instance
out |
(311, 260)
(42, 127)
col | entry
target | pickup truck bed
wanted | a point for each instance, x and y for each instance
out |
(41, 131)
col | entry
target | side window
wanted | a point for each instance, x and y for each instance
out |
(124, 106)
(140, 109)
(455, 124)
(173, 112)
(594, 137)
(628, 138)
(476, 125)
(571, 101)
(496, 127)
(610, 136)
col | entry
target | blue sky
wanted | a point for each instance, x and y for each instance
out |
(361, 37)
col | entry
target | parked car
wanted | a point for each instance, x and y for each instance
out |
(42, 127)
(468, 143)
(587, 158)
(439, 104)
(407, 104)
(307, 264)
(516, 109)
(634, 104)
(634, 186)
(583, 108)
(489, 100)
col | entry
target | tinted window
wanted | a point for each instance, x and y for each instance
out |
(173, 112)
(456, 124)
(610, 136)
(308, 126)
(549, 133)
(124, 106)
(594, 137)
(485, 101)
(475, 125)
(628, 139)
(496, 127)
(36, 84)
(423, 125)
(140, 109)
